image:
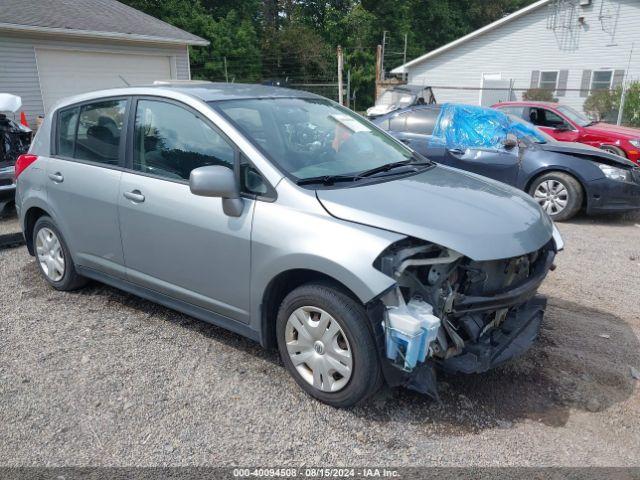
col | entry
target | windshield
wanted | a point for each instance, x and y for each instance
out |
(308, 137)
(396, 97)
(575, 116)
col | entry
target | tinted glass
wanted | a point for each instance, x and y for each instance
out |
(397, 123)
(422, 121)
(545, 118)
(517, 111)
(170, 141)
(314, 137)
(251, 181)
(67, 122)
(99, 131)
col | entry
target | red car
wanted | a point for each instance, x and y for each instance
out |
(568, 125)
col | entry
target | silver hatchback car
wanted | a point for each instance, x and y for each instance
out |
(288, 219)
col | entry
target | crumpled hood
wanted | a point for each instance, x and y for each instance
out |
(478, 217)
(594, 153)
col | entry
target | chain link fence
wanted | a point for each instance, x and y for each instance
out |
(614, 105)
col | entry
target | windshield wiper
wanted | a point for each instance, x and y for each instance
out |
(327, 179)
(414, 162)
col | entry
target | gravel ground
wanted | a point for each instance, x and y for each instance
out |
(99, 377)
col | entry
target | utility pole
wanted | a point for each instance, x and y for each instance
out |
(349, 88)
(384, 41)
(623, 95)
(226, 75)
(378, 68)
(340, 86)
(404, 52)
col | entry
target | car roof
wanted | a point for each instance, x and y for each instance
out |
(527, 104)
(410, 108)
(205, 91)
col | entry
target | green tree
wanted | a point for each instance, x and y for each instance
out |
(601, 104)
(631, 113)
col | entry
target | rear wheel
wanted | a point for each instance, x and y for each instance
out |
(53, 257)
(327, 346)
(559, 194)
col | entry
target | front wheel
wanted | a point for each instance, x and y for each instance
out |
(327, 346)
(559, 194)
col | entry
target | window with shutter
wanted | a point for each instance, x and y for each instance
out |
(535, 78)
(584, 84)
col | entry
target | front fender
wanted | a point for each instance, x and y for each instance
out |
(286, 238)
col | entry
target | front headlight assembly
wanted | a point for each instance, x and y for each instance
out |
(635, 142)
(615, 173)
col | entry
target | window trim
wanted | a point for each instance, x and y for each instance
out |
(593, 74)
(53, 140)
(128, 164)
(555, 87)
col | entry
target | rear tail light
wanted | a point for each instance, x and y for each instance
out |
(23, 162)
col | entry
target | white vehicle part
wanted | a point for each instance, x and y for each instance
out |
(451, 256)
(9, 103)
(410, 330)
(557, 238)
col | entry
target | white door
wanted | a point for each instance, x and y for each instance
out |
(70, 72)
(494, 89)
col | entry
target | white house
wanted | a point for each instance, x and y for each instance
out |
(55, 48)
(570, 46)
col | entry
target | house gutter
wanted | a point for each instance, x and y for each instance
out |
(90, 34)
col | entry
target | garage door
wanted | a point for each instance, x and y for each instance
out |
(64, 72)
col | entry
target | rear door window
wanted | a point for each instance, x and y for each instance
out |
(422, 121)
(170, 141)
(99, 131)
(517, 111)
(66, 131)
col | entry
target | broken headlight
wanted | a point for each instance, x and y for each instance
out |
(615, 173)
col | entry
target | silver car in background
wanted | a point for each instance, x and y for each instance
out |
(288, 219)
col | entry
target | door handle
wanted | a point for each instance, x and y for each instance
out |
(456, 151)
(135, 196)
(56, 177)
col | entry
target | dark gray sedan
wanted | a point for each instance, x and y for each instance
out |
(563, 177)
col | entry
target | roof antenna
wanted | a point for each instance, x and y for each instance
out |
(125, 82)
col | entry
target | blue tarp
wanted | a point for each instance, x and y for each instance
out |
(468, 126)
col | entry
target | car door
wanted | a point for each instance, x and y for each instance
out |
(83, 180)
(175, 242)
(499, 164)
(553, 124)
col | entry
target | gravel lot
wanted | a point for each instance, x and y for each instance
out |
(99, 377)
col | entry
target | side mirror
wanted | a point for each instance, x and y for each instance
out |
(217, 181)
(510, 142)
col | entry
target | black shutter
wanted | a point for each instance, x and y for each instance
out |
(562, 83)
(618, 78)
(585, 83)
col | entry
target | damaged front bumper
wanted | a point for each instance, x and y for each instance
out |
(489, 312)
(511, 339)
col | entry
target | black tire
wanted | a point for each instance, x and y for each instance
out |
(366, 375)
(614, 150)
(70, 280)
(574, 190)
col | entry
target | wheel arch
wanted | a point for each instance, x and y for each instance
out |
(559, 169)
(283, 284)
(31, 216)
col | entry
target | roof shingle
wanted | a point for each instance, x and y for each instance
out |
(97, 17)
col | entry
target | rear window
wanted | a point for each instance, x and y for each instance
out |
(422, 121)
(517, 111)
(92, 132)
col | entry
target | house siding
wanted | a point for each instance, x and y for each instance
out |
(524, 47)
(19, 69)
